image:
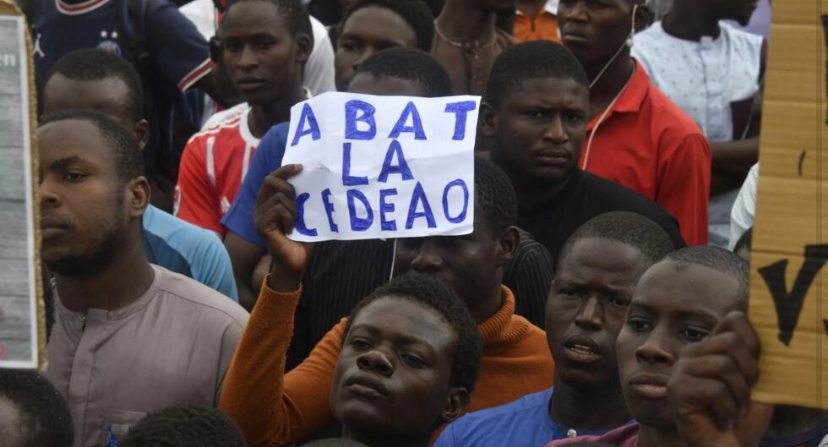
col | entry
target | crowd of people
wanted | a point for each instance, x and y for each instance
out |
(599, 300)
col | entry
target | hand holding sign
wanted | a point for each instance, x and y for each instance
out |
(274, 217)
(382, 166)
(710, 388)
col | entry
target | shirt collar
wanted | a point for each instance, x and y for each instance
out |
(631, 97)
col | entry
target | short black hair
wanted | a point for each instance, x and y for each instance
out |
(436, 295)
(414, 12)
(295, 14)
(495, 197)
(335, 442)
(94, 65)
(129, 163)
(411, 64)
(721, 260)
(185, 426)
(745, 240)
(44, 416)
(626, 227)
(537, 59)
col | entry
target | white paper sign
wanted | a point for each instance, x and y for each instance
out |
(382, 166)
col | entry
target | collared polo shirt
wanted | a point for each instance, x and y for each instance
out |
(649, 145)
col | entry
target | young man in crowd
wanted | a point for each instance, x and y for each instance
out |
(467, 41)
(536, 111)
(687, 357)
(32, 413)
(635, 136)
(515, 361)
(264, 47)
(172, 58)
(185, 426)
(370, 26)
(365, 265)
(106, 83)
(713, 72)
(318, 75)
(129, 337)
(599, 267)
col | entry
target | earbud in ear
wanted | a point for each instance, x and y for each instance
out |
(630, 42)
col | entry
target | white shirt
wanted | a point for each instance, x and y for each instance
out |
(744, 209)
(703, 77)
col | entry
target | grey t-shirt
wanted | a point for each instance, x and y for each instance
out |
(171, 346)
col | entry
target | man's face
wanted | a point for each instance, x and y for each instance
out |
(674, 305)
(367, 31)
(367, 84)
(468, 264)
(539, 129)
(82, 200)
(738, 10)
(393, 373)
(594, 29)
(586, 308)
(108, 96)
(263, 60)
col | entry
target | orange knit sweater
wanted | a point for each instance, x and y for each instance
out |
(276, 409)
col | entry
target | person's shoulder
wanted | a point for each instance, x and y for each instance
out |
(620, 198)
(650, 37)
(192, 296)
(319, 30)
(740, 36)
(191, 241)
(275, 139)
(505, 415)
(230, 117)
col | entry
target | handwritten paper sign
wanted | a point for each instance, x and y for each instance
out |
(22, 328)
(383, 166)
(789, 277)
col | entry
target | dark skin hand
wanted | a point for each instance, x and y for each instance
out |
(710, 388)
(274, 217)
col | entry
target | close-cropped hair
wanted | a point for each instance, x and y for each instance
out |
(411, 64)
(89, 65)
(185, 426)
(537, 59)
(627, 228)
(495, 197)
(721, 260)
(433, 294)
(295, 14)
(44, 419)
(129, 162)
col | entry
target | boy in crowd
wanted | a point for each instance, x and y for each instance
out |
(185, 426)
(264, 47)
(536, 111)
(636, 136)
(515, 361)
(103, 82)
(687, 357)
(713, 72)
(599, 267)
(32, 413)
(129, 337)
(467, 41)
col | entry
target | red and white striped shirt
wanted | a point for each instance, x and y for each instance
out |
(212, 168)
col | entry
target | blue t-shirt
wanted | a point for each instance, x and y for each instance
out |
(184, 248)
(268, 158)
(522, 423)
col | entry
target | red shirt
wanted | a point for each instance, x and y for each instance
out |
(649, 145)
(212, 168)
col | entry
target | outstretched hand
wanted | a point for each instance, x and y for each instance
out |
(710, 388)
(274, 218)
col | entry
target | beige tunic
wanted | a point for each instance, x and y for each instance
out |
(171, 346)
